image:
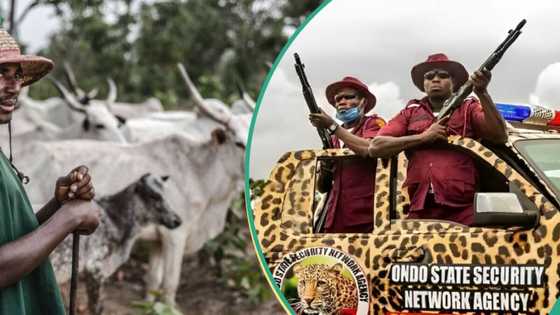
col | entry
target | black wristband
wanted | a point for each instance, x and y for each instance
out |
(332, 128)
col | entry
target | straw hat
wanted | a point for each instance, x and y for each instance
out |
(34, 67)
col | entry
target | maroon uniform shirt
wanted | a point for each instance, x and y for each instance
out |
(441, 182)
(350, 203)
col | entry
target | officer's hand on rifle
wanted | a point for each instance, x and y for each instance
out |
(437, 131)
(480, 80)
(321, 120)
(76, 185)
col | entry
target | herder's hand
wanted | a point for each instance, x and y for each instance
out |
(76, 185)
(84, 214)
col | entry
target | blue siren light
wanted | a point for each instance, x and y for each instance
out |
(514, 112)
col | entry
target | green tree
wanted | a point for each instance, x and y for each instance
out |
(221, 42)
(95, 48)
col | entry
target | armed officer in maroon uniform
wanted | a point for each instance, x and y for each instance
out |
(441, 182)
(351, 182)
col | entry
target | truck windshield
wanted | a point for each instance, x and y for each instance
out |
(544, 156)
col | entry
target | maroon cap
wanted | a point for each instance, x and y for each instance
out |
(439, 61)
(355, 84)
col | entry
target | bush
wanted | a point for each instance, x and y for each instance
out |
(232, 254)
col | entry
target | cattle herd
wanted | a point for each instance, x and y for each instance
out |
(168, 176)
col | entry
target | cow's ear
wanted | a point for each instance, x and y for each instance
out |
(218, 136)
(165, 178)
(85, 124)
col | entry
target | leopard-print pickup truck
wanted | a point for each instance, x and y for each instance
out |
(527, 167)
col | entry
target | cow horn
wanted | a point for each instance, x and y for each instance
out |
(198, 100)
(71, 78)
(69, 99)
(85, 100)
(92, 94)
(240, 88)
(112, 95)
(249, 102)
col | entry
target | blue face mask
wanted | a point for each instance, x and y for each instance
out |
(348, 115)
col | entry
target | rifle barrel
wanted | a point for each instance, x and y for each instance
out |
(310, 100)
(458, 97)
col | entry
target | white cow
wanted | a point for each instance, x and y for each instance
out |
(157, 125)
(82, 117)
(122, 110)
(38, 112)
(204, 157)
(76, 116)
(205, 178)
(130, 110)
(46, 116)
(94, 121)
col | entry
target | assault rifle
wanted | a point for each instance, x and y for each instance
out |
(310, 100)
(458, 97)
(323, 134)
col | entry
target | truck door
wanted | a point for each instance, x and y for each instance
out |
(434, 265)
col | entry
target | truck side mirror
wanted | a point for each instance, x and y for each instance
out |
(502, 210)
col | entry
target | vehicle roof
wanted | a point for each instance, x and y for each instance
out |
(516, 133)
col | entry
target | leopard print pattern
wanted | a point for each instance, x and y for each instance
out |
(425, 241)
(323, 289)
(403, 200)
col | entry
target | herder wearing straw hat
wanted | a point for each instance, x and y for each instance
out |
(441, 182)
(27, 282)
(349, 182)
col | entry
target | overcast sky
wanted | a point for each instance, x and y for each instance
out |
(380, 41)
(36, 27)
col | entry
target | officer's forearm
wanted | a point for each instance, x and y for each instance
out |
(47, 210)
(384, 146)
(353, 142)
(20, 257)
(494, 127)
